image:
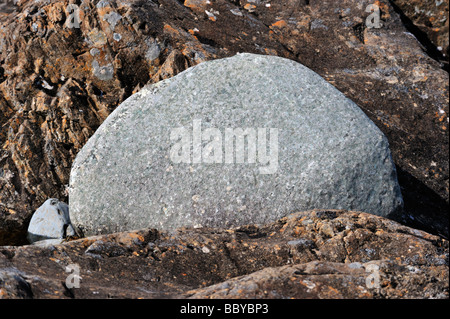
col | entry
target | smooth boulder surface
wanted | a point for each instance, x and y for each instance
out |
(161, 158)
(50, 221)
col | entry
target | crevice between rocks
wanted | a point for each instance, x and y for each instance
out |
(430, 48)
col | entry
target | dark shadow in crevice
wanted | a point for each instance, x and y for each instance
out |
(424, 209)
(430, 48)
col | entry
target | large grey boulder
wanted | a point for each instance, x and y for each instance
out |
(165, 157)
(51, 221)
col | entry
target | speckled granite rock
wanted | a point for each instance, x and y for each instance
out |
(7, 6)
(314, 254)
(174, 154)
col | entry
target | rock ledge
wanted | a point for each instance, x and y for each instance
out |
(313, 254)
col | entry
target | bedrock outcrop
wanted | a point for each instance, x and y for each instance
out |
(313, 254)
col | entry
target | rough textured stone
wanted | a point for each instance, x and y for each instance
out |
(13, 285)
(52, 101)
(324, 280)
(314, 254)
(50, 221)
(127, 176)
(429, 21)
(7, 6)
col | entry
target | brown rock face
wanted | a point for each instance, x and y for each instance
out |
(64, 69)
(315, 254)
(429, 20)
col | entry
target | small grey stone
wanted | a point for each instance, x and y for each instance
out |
(50, 221)
(329, 154)
(101, 248)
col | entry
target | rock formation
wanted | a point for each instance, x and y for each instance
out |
(241, 140)
(58, 82)
(314, 254)
(429, 21)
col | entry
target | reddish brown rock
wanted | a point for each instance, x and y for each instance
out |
(315, 254)
(58, 83)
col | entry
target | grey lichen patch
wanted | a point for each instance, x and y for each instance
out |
(97, 38)
(117, 37)
(104, 72)
(129, 176)
(153, 50)
(112, 18)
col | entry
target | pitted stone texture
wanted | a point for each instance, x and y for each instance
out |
(330, 155)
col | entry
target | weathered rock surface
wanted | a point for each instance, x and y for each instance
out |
(315, 254)
(325, 280)
(189, 151)
(429, 21)
(58, 84)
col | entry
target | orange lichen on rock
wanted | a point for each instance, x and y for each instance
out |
(279, 24)
(196, 5)
(171, 30)
(250, 7)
